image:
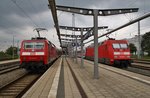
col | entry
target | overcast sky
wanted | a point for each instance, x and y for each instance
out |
(18, 18)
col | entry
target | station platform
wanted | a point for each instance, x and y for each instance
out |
(9, 61)
(66, 79)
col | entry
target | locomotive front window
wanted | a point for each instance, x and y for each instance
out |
(116, 46)
(39, 45)
(34, 45)
(124, 46)
(28, 45)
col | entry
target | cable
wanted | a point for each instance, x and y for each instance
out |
(132, 3)
(22, 10)
(39, 18)
(34, 8)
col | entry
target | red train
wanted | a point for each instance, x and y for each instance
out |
(37, 53)
(111, 52)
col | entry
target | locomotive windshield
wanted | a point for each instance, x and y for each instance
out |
(118, 46)
(124, 46)
(33, 45)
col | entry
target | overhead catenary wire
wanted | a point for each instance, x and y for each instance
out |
(43, 25)
(22, 10)
(126, 14)
(34, 8)
(122, 26)
(129, 18)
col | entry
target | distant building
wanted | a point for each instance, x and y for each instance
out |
(134, 40)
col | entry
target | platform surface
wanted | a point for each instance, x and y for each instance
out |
(69, 80)
(111, 83)
(9, 61)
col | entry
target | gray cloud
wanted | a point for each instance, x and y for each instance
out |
(21, 21)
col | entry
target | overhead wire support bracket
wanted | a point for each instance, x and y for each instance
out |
(95, 13)
(69, 39)
(83, 37)
(125, 25)
(101, 12)
(88, 29)
(72, 36)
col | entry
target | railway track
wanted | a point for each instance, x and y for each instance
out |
(141, 61)
(18, 87)
(140, 67)
(4, 68)
(143, 70)
(139, 70)
(15, 88)
(9, 70)
(8, 65)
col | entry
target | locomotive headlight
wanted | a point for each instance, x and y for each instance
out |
(115, 56)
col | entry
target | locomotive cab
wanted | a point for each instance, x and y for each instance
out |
(114, 52)
(34, 53)
(121, 54)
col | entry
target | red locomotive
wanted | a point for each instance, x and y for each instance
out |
(37, 53)
(111, 52)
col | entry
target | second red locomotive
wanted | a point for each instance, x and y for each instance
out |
(111, 52)
(37, 53)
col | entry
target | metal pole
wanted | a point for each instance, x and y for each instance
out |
(96, 73)
(18, 48)
(139, 41)
(13, 48)
(76, 50)
(73, 24)
(82, 63)
(68, 48)
(125, 25)
(72, 51)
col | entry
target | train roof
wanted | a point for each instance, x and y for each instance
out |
(111, 40)
(115, 40)
(38, 39)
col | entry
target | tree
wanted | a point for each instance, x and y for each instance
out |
(132, 48)
(9, 51)
(145, 43)
(2, 54)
